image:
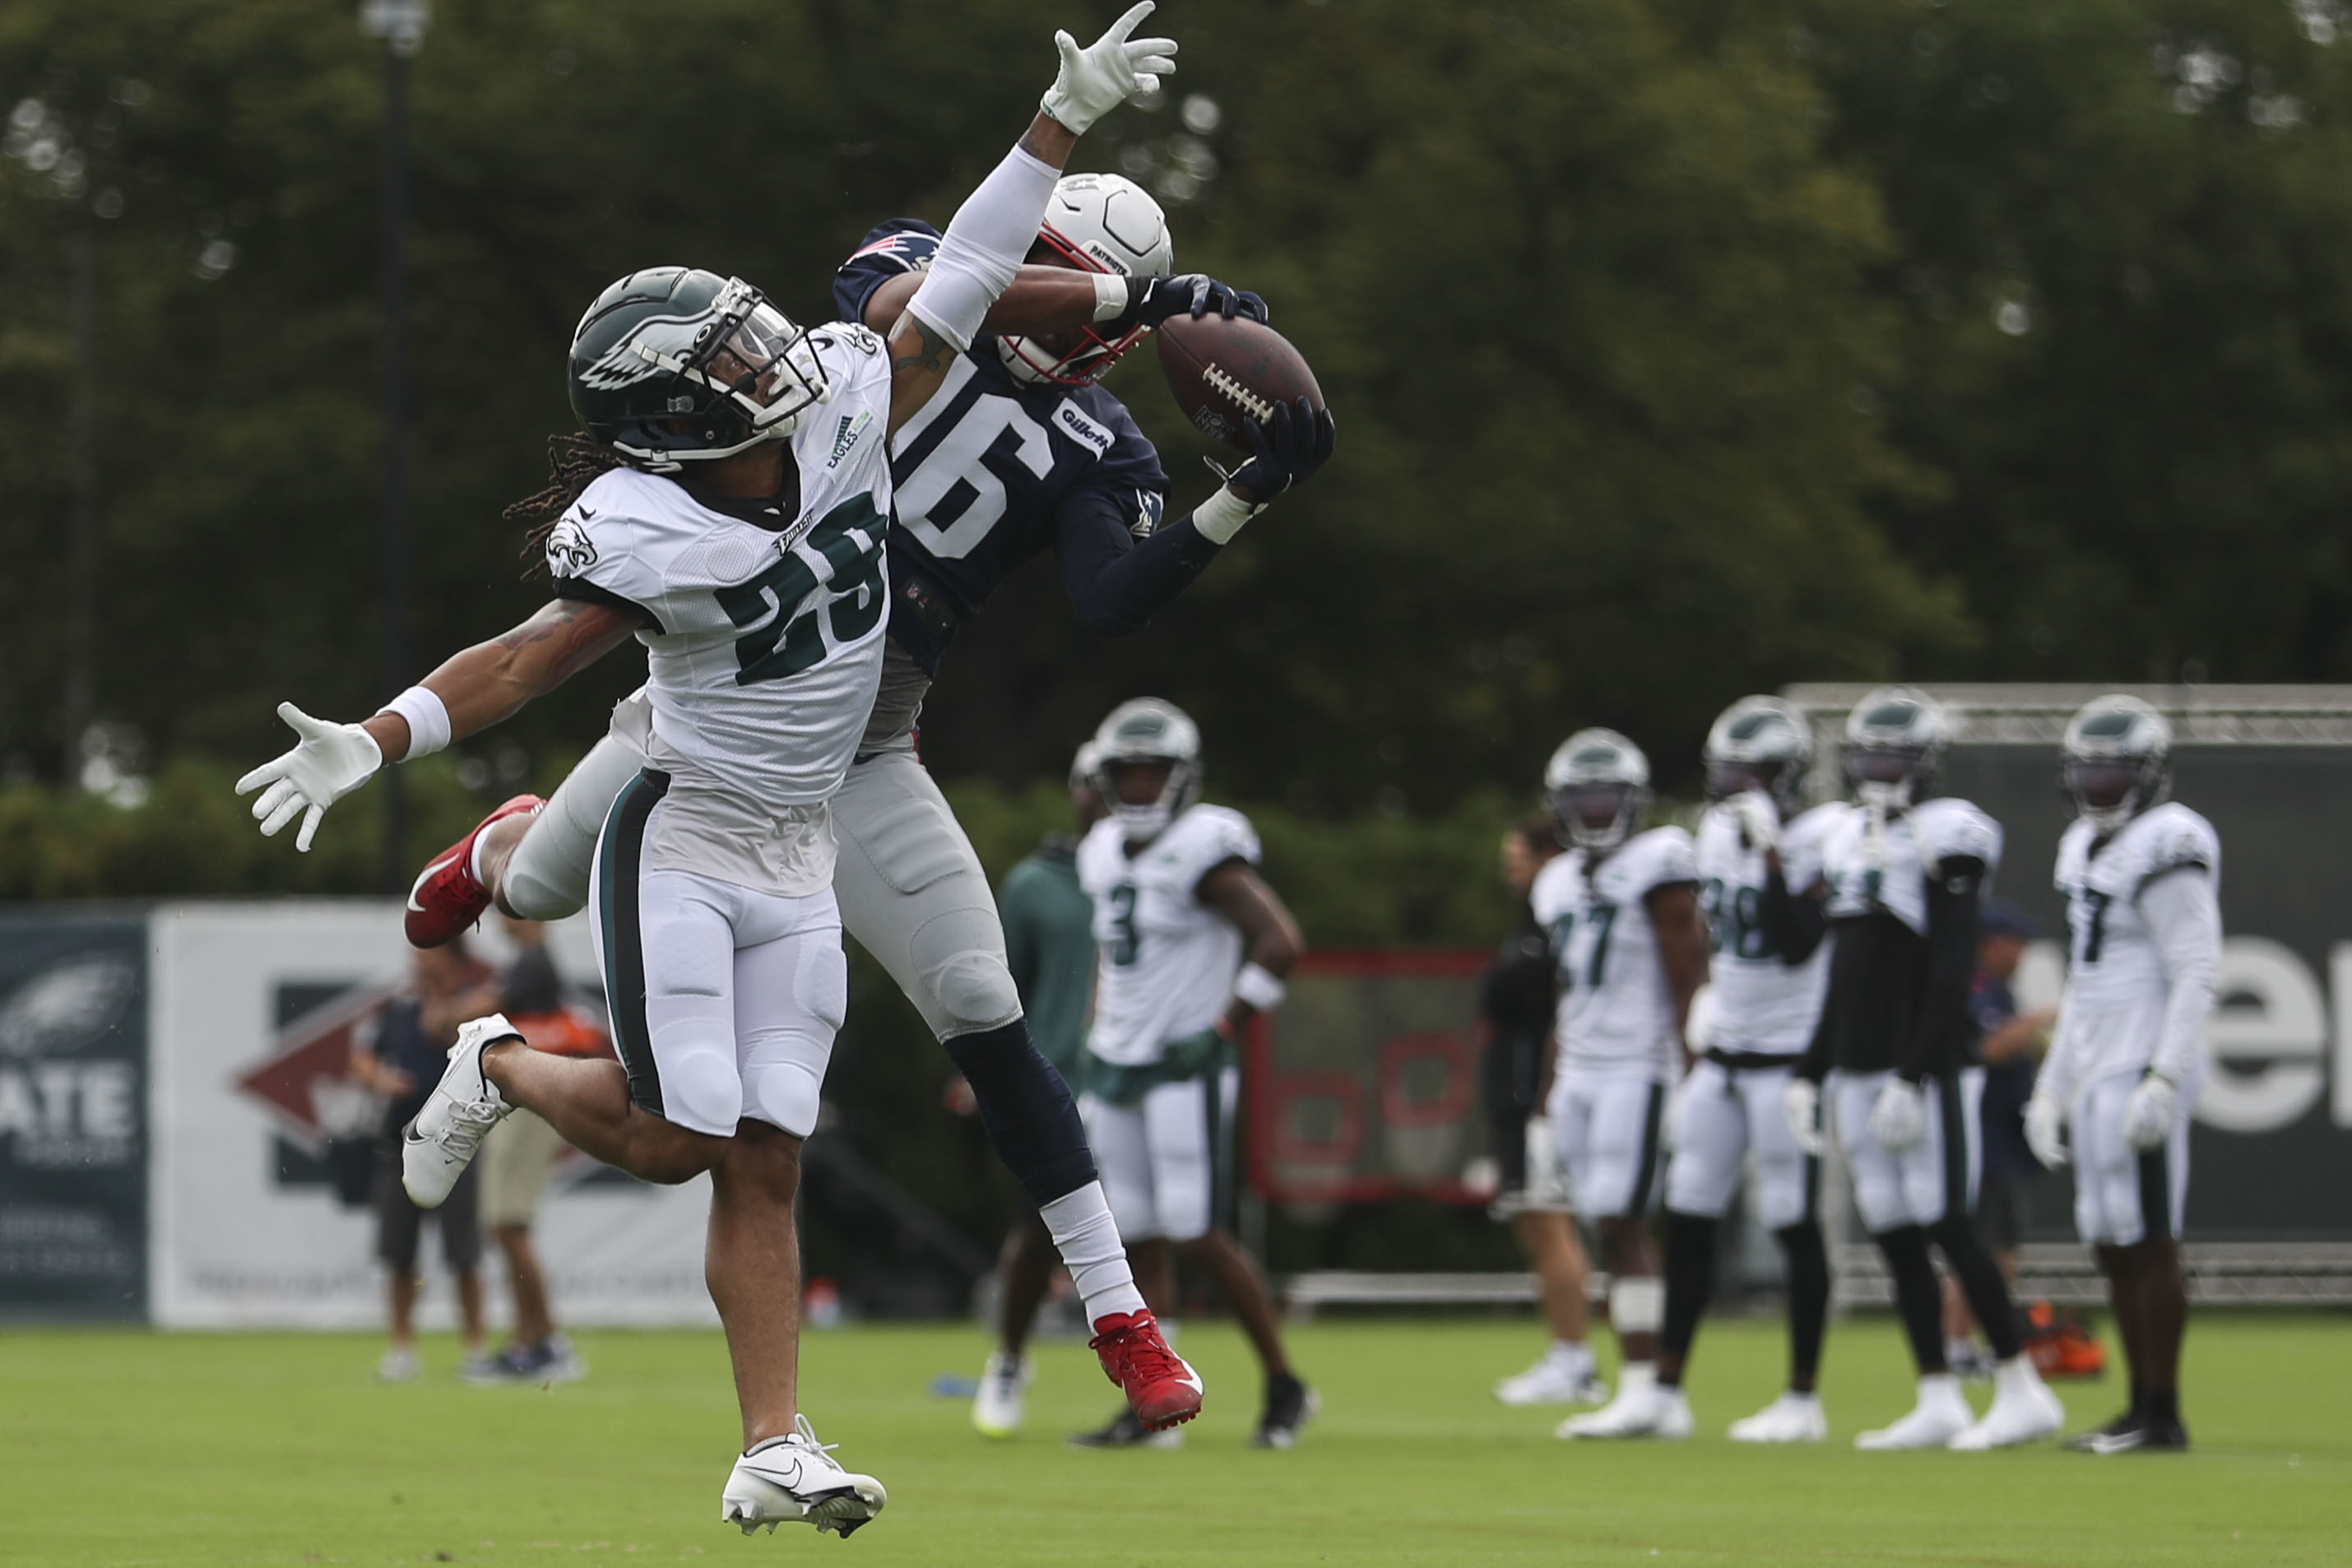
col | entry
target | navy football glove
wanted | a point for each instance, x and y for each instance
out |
(1152, 300)
(1286, 448)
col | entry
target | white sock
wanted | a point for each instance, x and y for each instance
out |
(1938, 1386)
(474, 858)
(2014, 1375)
(1088, 1238)
(1636, 1377)
(1957, 1350)
(1574, 1355)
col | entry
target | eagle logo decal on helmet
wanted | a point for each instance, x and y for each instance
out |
(655, 344)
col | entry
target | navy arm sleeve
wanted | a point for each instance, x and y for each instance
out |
(1793, 923)
(1945, 1025)
(1115, 581)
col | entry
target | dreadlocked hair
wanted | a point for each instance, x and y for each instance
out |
(574, 462)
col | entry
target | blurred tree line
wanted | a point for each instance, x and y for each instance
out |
(1680, 350)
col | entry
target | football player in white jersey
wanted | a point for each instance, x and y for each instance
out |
(1754, 844)
(739, 536)
(1191, 944)
(2141, 876)
(1903, 876)
(1622, 909)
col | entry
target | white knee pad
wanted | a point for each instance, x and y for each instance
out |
(1637, 1306)
(965, 987)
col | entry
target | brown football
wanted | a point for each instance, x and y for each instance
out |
(1222, 372)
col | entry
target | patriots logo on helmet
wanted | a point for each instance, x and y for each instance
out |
(658, 344)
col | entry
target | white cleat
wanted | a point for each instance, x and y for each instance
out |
(1553, 1380)
(1641, 1409)
(1940, 1415)
(1793, 1418)
(794, 1480)
(443, 1139)
(997, 1408)
(2023, 1411)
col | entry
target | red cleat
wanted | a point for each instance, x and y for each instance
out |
(447, 898)
(1161, 1390)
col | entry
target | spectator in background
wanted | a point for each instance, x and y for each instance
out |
(2011, 1047)
(399, 1056)
(1049, 945)
(517, 1157)
(1516, 996)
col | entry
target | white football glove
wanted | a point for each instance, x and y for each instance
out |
(1899, 1119)
(1803, 1100)
(2045, 1131)
(2148, 1113)
(1760, 824)
(332, 761)
(1106, 73)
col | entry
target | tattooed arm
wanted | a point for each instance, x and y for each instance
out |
(490, 681)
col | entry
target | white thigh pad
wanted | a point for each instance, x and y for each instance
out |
(1710, 1141)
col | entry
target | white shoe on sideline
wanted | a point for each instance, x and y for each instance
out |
(1555, 1380)
(441, 1141)
(1793, 1418)
(1940, 1415)
(795, 1479)
(2023, 1410)
(1641, 1409)
(399, 1365)
(996, 1408)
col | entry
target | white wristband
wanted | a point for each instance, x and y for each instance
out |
(1219, 518)
(428, 720)
(1259, 988)
(1111, 296)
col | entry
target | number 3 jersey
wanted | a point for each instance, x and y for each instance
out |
(1764, 1005)
(1616, 1013)
(1166, 961)
(2119, 978)
(763, 643)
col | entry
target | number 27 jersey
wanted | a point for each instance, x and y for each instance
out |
(1616, 1013)
(764, 646)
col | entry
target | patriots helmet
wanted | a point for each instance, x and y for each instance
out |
(674, 365)
(1094, 222)
(1598, 784)
(2116, 761)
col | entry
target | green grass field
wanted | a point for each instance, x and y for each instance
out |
(124, 1448)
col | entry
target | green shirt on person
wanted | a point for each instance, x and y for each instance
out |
(1049, 943)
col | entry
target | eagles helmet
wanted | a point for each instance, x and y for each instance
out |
(1095, 223)
(675, 365)
(1085, 765)
(1599, 786)
(1759, 742)
(1895, 740)
(2116, 761)
(1144, 730)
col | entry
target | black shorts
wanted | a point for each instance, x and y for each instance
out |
(398, 1222)
(2004, 1209)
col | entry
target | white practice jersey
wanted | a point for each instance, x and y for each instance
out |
(2119, 981)
(1166, 961)
(766, 645)
(1763, 1004)
(1616, 1012)
(1886, 865)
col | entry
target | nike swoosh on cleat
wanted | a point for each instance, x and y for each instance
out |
(423, 877)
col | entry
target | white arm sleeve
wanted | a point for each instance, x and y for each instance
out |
(2186, 921)
(981, 250)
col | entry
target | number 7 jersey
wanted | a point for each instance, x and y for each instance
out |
(1616, 1013)
(763, 644)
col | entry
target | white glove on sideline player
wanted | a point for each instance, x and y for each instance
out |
(1106, 73)
(1899, 1119)
(1759, 825)
(2148, 1113)
(1803, 1099)
(332, 761)
(2045, 1126)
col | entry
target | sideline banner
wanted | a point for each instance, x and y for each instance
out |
(73, 1149)
(261, 1137)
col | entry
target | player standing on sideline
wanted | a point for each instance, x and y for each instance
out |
(1049, 947)
(1630, 949)
(1515, 997)
(755, 578)
(2142, 879)
(1193, 944)
(1768, 975)
(1893, 1053)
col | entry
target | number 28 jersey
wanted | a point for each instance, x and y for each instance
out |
(764, 646)
(1616, 1013)
(1764, 1004)
(1166, 961)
